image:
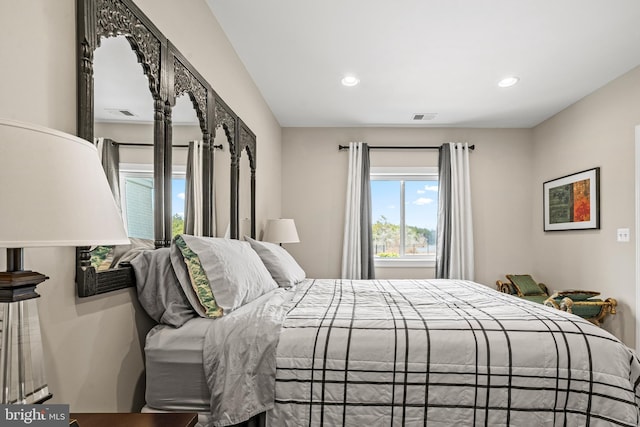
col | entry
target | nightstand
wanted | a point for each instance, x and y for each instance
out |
(147, 419)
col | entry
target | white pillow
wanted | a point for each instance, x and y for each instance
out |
(283, 267)
(224, 273)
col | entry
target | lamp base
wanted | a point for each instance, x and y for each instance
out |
(22, 376)
(19, 285)
(22, 379)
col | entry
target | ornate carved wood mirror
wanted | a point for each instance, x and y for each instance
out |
(225, 136)
(96, 21)
(189, 121)
(175, 91)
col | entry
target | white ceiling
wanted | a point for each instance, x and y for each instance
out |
(427, 56)
(120, 84)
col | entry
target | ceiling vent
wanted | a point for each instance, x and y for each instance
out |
(421, 117)
(120, 112)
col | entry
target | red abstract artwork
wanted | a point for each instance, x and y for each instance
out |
(572, 202)
(581, 201)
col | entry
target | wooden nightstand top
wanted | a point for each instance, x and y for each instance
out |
(148, 419)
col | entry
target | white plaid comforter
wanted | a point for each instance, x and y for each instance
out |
(443, 353)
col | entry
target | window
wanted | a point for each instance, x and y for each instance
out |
(404, 215)
(138, 206)
(136, 188)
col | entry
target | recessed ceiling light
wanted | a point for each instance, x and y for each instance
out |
(350, 80)
(508, 81)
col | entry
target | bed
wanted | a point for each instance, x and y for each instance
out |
(380, 352)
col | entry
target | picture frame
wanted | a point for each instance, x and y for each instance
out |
(572, 202)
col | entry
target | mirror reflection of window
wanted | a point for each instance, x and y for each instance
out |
(177, 205)
(123, 112)
(185, 128)
(139, 202)
(137, 199)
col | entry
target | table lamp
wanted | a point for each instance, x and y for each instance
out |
(281, 231)
(53, 192)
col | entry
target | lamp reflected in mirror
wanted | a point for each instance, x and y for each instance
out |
(281, 231)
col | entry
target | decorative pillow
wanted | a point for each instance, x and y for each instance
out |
(525, 284)
(283, 267)
(159, 291)
(102, 257)
(193, 279)
(223, 274)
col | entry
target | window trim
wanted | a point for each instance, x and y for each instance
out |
(402, 174)
(428, 261)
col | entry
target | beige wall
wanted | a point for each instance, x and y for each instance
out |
(597, 131)
(314, 178)
(94, 345)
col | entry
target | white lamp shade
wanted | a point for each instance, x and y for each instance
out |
(281, 231)
(53, 190)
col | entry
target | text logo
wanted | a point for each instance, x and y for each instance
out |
(34, 415)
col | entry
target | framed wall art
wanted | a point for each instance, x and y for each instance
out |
(573, 201)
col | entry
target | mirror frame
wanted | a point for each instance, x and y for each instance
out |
(227, 121)
(247, 143)
(185, 80)
(170, 75)
(111, 18)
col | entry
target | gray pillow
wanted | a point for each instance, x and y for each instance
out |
(281, 265)
(222, 274)
(159, 292)
(125, 253)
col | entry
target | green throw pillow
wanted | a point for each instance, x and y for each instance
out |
(525, 284)
(199, 279)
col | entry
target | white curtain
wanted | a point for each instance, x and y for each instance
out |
(455, 228)
(357, 249)
(109, 155)
(193, 213)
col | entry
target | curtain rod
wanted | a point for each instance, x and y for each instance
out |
(401, 147)
(141, 144)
